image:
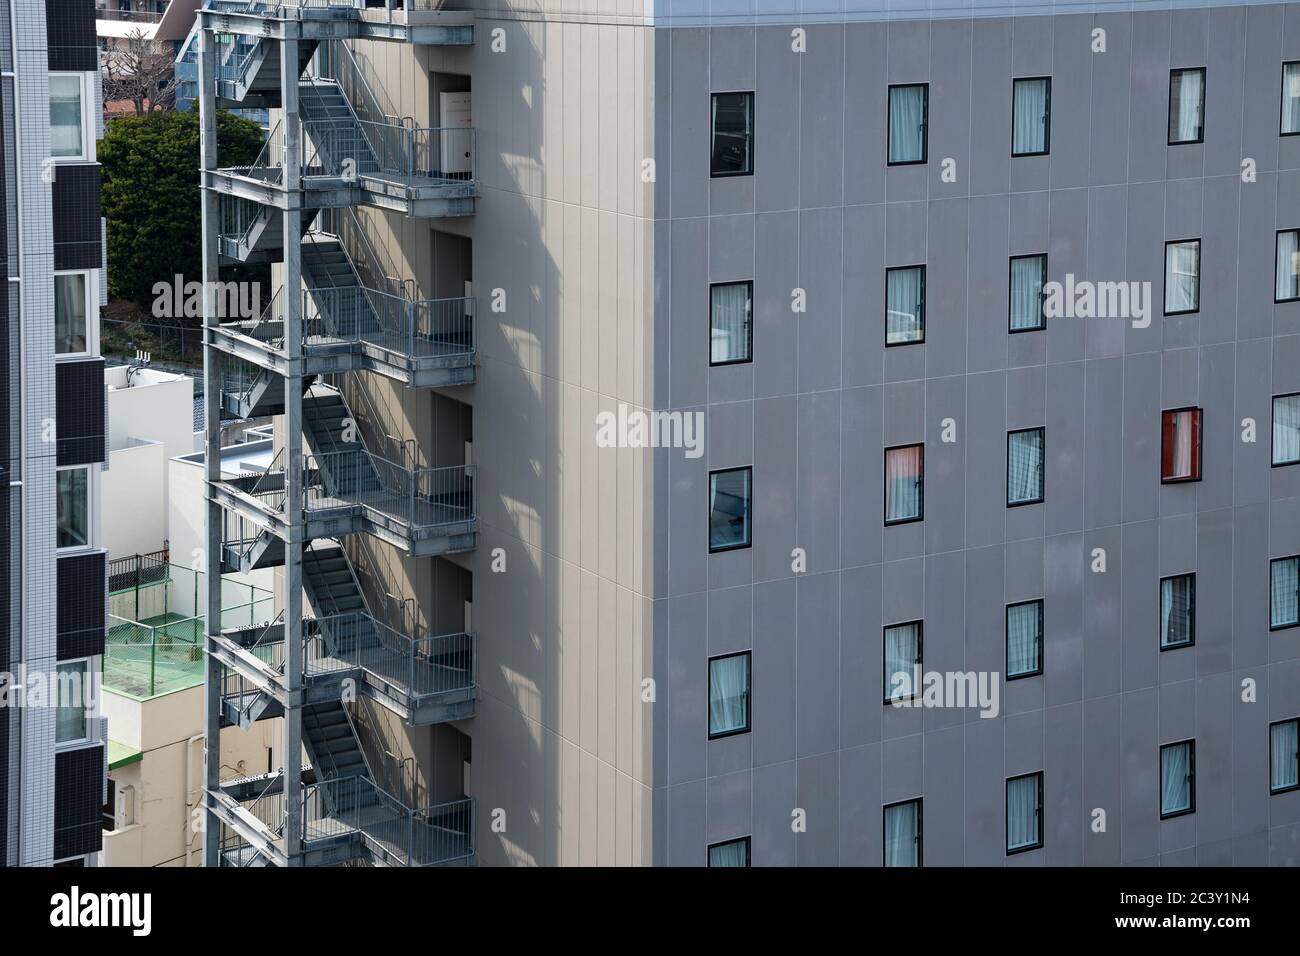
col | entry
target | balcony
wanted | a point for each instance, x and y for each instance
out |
(411, 21)
(423, 511)
(347, 819)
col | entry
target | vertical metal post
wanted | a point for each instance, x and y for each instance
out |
(293, 479)
(212, 366)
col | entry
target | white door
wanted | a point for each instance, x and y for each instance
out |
(457, 147)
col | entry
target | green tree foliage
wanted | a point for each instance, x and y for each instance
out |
(152, 199)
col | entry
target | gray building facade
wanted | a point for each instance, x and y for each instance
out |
(684, 660)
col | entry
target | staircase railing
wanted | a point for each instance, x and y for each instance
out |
(420, 329)
(374, 270)
(421, 668)
(268, 167)
(421, 499)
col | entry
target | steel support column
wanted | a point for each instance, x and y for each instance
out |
(212, 375)
(291, 125)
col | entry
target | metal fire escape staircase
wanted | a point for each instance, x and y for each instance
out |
(354, 316)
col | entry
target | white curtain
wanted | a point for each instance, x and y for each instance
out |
(1027, 292)
(1029, 116)
(902, 655)
(735, 853)
(1175, 778)
(1284, 587)
(1024, 638)
(1286, 429)
(1186, 96)
(1182, 266)
(1291, 98)
(65, 116)
(1022, 812)
(1288, 265)
(1025, 466)
(70, 313)
(904, 289)
(907, 124)
(901, 844)
(728, 694)
(1285, 755)
(1182, 444)
(729, 508)
(729, 315)
(903, 483)
(70, 716)
(1175, 611)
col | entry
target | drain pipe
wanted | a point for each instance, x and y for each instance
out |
(189, 824)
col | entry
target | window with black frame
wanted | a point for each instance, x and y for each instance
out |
(732, 149)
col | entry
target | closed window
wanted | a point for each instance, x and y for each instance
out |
(73, 694)
(904, 496)
(1290, 98)
(1180, 445)
(67, 119)
(733, 134)
(1031, 104)
(1177, 779)
(902, 661)
(905, 305)
(1186, 106)
(729, 501)
(1182, 276)
(73, 508)
(70, 307)
(1286, 429)
(908, 106)
(903, 833)
(1024, 467)
(1028, 276)
(731, 853)
(730, 323)
(1024, 812)
(1288, 266)
(1284, 756)
(1177, 611)
(728, 695)
(1284, 592)
(1024, 639)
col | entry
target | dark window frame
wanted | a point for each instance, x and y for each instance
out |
(1205, 89)
(921, 340)
(748, 850)
(1281, 105)
(749, 326)
(1271, 562)
(1164, 286)
(884, 660)
(1006, 642)
(1277, 239)
(1047, 119)
(920, 829)
(749, 541)
(1198, 450)
(1272, 416)
(1191, 611)
(920, 516)
(1191, 776)
(1042, 484)
(1038, 814)
(1042, 296)
(753, 133)
(1295, 786)
(925, 125)
(749, 694)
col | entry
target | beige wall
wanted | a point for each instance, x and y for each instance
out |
(562, 742)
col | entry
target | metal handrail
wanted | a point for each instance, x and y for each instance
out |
(422, 499)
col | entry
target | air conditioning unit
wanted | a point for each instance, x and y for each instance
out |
(126, 806)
